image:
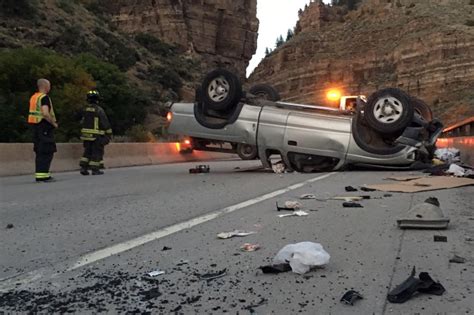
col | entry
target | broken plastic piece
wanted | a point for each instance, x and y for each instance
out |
(348, 198)
(367, 189)
(427, 215)
(302, 256)
(440, 238)
(457, 259)
(351, 296)
(212, 276)
(350, 188)
(308, 196)
(239, 233)
(294, 214)
(279, 168)
(423, 284)
(165, 248)
(352, 205)
(9, 226)
(200, 169)
(156, 273)
(247, 247)
(275, 269)
(293, 205)
(456, 170)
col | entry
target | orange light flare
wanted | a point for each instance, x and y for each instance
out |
(334, 95)
(178, 146)
(187, 141)
(169, 116)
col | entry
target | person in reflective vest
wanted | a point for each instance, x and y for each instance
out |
(95, 134)
(41, 116)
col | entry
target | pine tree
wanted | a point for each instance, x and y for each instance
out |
(289, 34)
(280, 41)
(267, 51)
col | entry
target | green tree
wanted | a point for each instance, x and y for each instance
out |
(289, 34)
(267, 51)
(280, 41)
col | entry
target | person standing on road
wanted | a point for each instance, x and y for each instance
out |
(95, 133)
(41, 116)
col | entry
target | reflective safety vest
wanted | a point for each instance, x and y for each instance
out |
(94, 121)
(35, 116)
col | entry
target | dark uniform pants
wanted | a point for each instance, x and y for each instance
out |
(44, 147)
(93, 155)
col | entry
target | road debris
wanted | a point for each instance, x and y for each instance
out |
(200, 169)
(352, 204)
(350, 297)
(298, 213)
(247, 247)
(251, 307)
(289, 206)
(427, 215)
(448, 155)
(459, 171)
(457, 260)
(425, 184)
(350, 188)
(276, 268)
(367, 189)
(423, 284)
(239, 233)
(440, 238)
(347, 198)
(165, 248)
(302, 256)
(307, 196)
(9, 226)
(279, 168)
(156, 273)
(214, 275)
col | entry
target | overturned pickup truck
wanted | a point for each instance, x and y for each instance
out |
(390, 129)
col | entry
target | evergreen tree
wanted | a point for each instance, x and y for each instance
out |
(280, 41)
(289, 34)
(267, 51)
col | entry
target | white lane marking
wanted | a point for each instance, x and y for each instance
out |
(141, 240)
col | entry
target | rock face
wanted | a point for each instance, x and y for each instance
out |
(425, 47)
(223, 32)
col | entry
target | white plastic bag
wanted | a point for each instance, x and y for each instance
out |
(302, 256)
(449, 155)
(456, 170)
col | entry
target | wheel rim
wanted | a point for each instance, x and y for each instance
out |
(246, 150)
(388, 110)
(262, 95)
(218, 89)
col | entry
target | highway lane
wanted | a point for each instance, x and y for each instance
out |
(368, 252)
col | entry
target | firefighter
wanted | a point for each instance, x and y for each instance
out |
(95, 133)
(41, 116)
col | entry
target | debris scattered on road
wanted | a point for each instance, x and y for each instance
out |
(156, 273)
(423, 284)
(275, 269)
(279, 168)
(440, 238)
(387, 195)
(182, 262)
(165, 248)
(350, 188)
(10, 226)
(425, 184)
(348, 198)
(458, 171)
(214, 275)
(239, 233)
(251, 307)
(367, 189)
(352, 204)
(403, 178)
(293, 205)
(350, 297)
(302, 256)
(298, 213)
(307, 196)
(469, 239)
(457, 260)
(449, 155)
(200, 169)
(427, 215)
(247, 247)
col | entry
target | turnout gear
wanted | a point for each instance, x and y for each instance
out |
(44, 144)
(95, 134)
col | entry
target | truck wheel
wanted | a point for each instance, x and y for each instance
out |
(389, 111)
(422, 109)
(221, 90)
(247, 151)
(266, 92)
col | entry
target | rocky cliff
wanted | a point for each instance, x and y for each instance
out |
(222, 32)
(425, 47)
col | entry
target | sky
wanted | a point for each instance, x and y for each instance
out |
(276, 17)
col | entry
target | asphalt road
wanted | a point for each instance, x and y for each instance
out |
(85, 244)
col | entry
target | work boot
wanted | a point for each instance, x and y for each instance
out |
(46, 180)
(84, 171)
(97, 172)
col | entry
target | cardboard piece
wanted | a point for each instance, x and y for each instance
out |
(425, 184)
(404, 178)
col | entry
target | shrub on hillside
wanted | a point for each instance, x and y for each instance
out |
(26, 9)
(155, 45)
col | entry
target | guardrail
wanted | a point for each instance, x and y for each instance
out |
(460, 136)
(18, 158)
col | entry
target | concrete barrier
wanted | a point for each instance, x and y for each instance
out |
(18, 158)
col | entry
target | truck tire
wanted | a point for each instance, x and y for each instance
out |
(247, 151)
(389, 111)
(221, 90)
(266, 92)
(422, 109)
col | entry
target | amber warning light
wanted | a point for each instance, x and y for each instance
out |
(333, 95)
(169, 116)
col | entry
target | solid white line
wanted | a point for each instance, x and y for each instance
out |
(127, 245)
